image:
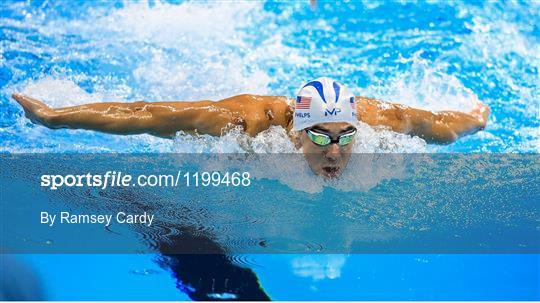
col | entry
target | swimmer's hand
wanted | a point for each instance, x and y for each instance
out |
(35, 110)
(445, 127)
(481, 113)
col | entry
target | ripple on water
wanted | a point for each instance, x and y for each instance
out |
(247, 261)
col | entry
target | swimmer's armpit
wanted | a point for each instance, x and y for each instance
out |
(435, 127)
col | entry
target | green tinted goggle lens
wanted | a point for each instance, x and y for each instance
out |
(346, 139)
(323, 139)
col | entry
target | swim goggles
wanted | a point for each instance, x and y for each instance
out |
(324, 139)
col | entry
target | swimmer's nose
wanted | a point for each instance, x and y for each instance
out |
(332, 152)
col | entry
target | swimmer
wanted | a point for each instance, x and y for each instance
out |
(321, 120)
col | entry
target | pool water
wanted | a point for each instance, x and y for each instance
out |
(434, 54)
(431, 54)
(303, 277)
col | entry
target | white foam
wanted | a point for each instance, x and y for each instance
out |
(59, 93)
(427, 86)
(184, 25)
(499, 43)
(190, 51)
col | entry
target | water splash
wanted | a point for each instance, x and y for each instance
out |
(427, 86)
(446, 59)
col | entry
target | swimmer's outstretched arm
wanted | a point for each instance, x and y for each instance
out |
(435, 127)
(161, 119)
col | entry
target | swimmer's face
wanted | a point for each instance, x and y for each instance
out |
(330, 160)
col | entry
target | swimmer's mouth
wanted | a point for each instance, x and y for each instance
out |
(331, 171)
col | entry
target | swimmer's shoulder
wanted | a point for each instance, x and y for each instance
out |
(278, 110)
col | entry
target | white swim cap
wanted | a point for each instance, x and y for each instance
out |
(323, 100)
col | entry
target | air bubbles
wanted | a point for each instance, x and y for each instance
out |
(144, 272)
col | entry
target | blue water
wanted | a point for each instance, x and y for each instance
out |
(324, 277)
(435, 55)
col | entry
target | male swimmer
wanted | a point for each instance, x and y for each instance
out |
(321, 120)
